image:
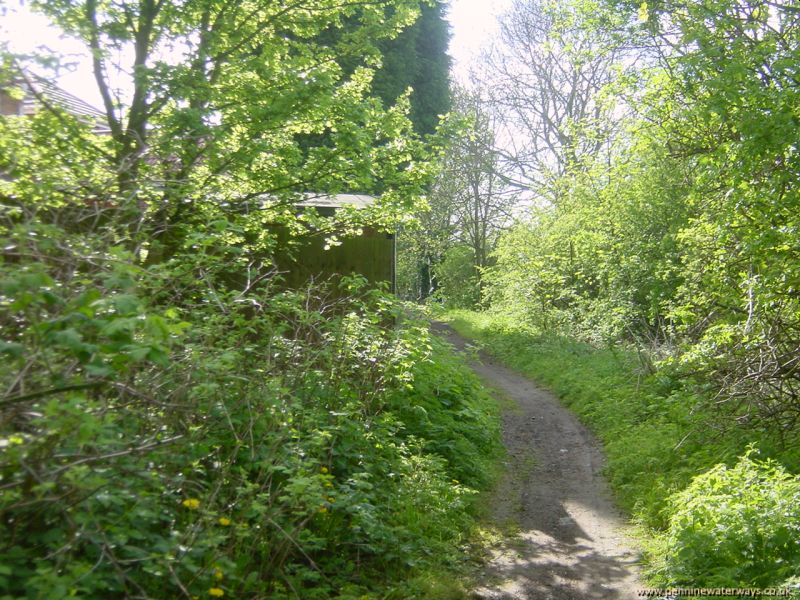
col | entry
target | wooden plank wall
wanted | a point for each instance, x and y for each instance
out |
(370, 255)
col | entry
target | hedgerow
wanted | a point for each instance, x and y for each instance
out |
(163, 435)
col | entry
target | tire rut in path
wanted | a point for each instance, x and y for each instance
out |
(571, 542)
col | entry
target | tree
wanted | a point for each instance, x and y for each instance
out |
(544, 78)
(417, 59)
(469, 201)
(604, 264)
(224, 98)
(732, 112)
(482, 201)
(422, 243)
(684, 234)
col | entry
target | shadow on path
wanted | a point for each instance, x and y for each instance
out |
(571, 543)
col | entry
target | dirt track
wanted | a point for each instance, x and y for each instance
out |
(571, 541)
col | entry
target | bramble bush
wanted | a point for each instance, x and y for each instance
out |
(163, 435)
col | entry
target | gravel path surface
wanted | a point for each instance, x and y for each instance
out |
(571, 542)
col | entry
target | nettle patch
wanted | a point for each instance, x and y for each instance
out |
(735, 525)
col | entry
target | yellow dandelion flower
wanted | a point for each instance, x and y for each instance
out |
(323, 470)
(224, 521)
(191, 503)
(217, 592)
(218, 574)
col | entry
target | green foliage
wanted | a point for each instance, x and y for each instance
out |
(683, 237)
(173, 421)
(713, 525)
(459, 282)
(735, 526)
(738, 303)
(665, 232)
(605, 262)
(258, 110)
(468, 205)
(272, 443)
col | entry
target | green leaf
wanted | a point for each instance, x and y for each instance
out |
(12, 348)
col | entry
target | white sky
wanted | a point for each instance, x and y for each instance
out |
(27, 32)
(473, 24)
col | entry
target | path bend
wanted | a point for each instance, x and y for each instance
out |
(571, 542)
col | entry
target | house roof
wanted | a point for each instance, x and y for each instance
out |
(358, 201)
(35, 86)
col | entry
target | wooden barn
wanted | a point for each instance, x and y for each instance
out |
(371, 254)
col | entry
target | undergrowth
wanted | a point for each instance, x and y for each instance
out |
(712, 510)
(260, 445)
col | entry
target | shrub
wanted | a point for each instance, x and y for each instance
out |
(734, 526)
(162, 435)
(459, 280)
